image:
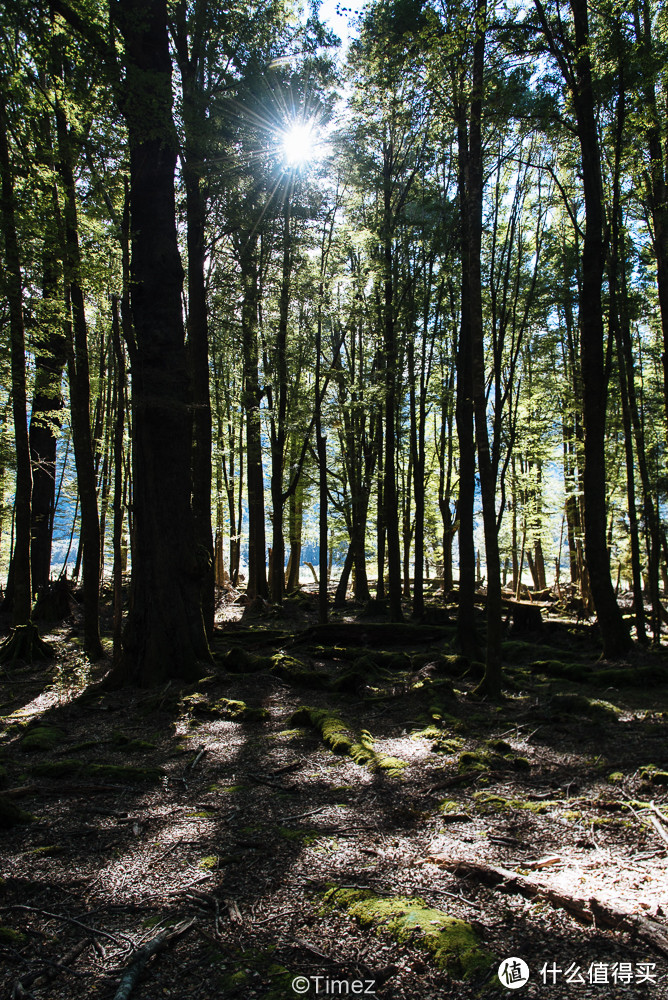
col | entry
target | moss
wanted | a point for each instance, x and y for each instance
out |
(630, 676)
(239, 711)
(224, 708)
(452, 944)
(42, 738)
(568, 705)
(653, 775)
(340, 739)
(72, 768)
(474, 761)
(208, 863)
(129, 745)
(428, 733)
(297, 673)
(48, 851)
(500, 746)
(489, 803)
(11, 815)
(239, 661)
(616, 778)
(579, 672)
(9, 936)
(449, 806)
(306, 837)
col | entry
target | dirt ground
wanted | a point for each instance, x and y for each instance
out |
(259, 853)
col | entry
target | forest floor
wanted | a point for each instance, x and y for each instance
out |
(310, 817)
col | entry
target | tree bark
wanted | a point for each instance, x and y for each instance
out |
(22, 589)
(164, 635)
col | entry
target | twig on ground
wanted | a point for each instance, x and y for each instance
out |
(116, 938)
(311, 812)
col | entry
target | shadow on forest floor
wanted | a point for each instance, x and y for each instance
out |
(350, 756)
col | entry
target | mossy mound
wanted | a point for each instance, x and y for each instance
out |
(11, 815)
(517, 651)
(653, 775)
(568, 706)
(489, 803)
(42, 738)
(224, 708)
(130, 745)
(492, 758)
(297, 673)
(630, 676)
(452, 944)
(72, 768)
(341, 739)
(580, 673)
(239, 661)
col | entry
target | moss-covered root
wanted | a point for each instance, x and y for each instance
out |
(24, 643)
(452, 944)
(341, 740)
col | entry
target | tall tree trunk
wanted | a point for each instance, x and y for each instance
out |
(472, 227)
(390, 498)
(198, 351)
(164, 635)
(614, 631)
(79, 379)
(44, 420)
(22, 590)
(257, 573)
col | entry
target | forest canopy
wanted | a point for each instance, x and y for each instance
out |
(402, 309)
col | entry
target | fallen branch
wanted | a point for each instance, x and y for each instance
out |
(41, 978)
(586, 911)
(147, 951)
(97, 931)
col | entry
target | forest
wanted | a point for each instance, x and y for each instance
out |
(333, 479)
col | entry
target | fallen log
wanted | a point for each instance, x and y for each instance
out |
(586, 911)
(141, 957)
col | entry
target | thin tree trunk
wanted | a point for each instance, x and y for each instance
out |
(22, 589)
(79, 379)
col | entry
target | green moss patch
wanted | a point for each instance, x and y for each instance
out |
(568, 706)
(224, 708)
(10, 937)
(72, 768)
(129, 745)
(48, 851)
(489, 803)
(298, 674)
(452, 944)
(341, 739)
(42, 738)
(11, 815)
(653, 775)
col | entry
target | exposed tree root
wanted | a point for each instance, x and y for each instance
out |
(586, 911)
(24, 643)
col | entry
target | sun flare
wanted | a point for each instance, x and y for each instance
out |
(299, 144)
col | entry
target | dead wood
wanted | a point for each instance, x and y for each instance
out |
(147, 951)
(586, 911)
